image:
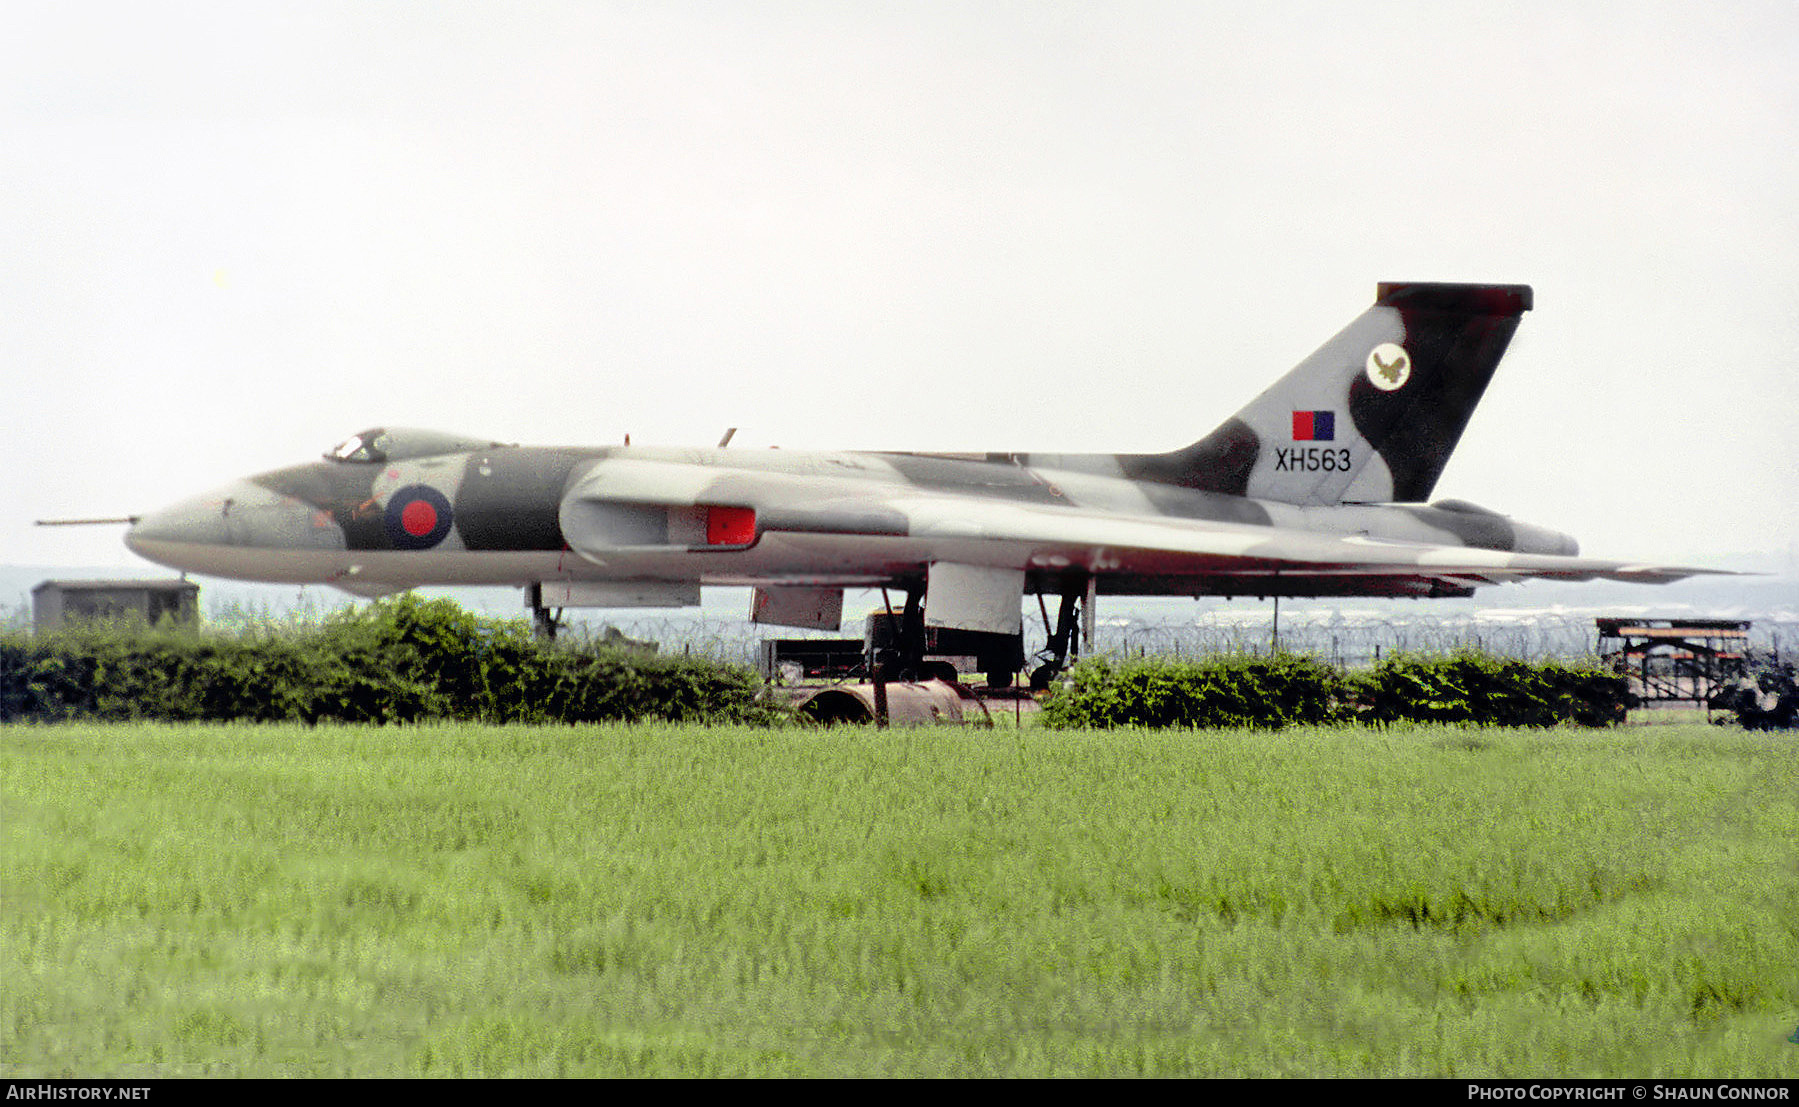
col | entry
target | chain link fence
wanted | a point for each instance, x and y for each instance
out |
(1343, 641)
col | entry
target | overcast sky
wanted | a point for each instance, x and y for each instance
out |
(231, 234)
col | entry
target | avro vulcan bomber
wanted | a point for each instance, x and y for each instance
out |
(1319, 487)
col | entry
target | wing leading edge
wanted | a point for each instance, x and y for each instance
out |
(823, 530)
(1214, 556)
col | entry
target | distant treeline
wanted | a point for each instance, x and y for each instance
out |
(1290, 690)
(395, 661)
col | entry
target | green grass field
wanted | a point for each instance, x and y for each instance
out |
(660, 900)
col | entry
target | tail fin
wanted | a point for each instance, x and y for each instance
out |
(1372, 416)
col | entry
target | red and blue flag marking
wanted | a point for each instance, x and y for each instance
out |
(1314, 426)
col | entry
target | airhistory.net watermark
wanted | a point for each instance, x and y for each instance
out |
(44, 1093)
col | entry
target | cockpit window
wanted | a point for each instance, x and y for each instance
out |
(380, 444)
(360, 447)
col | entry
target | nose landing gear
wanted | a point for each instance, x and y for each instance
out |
(545, 622)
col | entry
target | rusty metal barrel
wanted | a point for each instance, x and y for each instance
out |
(912, 703)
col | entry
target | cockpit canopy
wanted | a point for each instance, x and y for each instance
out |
(379, 444)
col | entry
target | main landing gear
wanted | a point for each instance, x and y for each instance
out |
(900, 648)
(905, 649)
(1076, 610)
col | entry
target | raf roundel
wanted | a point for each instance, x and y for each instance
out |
(418, 517)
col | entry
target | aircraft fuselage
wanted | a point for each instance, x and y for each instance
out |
(495, 516)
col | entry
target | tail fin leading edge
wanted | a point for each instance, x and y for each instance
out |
(1372, 416)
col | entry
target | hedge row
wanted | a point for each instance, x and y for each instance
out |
(1288, 690)
(401, 660)
(1226, 691)
(407, 660)
(1496, 691)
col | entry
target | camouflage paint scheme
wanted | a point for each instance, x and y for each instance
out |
(1316, 488)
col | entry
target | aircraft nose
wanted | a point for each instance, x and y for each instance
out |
(240, 515)
(198, 521)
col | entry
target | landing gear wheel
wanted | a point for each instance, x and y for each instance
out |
(1000, 678)
(1044, 675)
(938, 670)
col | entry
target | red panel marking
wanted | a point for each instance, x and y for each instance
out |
(730, 526)
(419, 518)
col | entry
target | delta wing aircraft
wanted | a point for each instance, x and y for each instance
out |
(1317, 488)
